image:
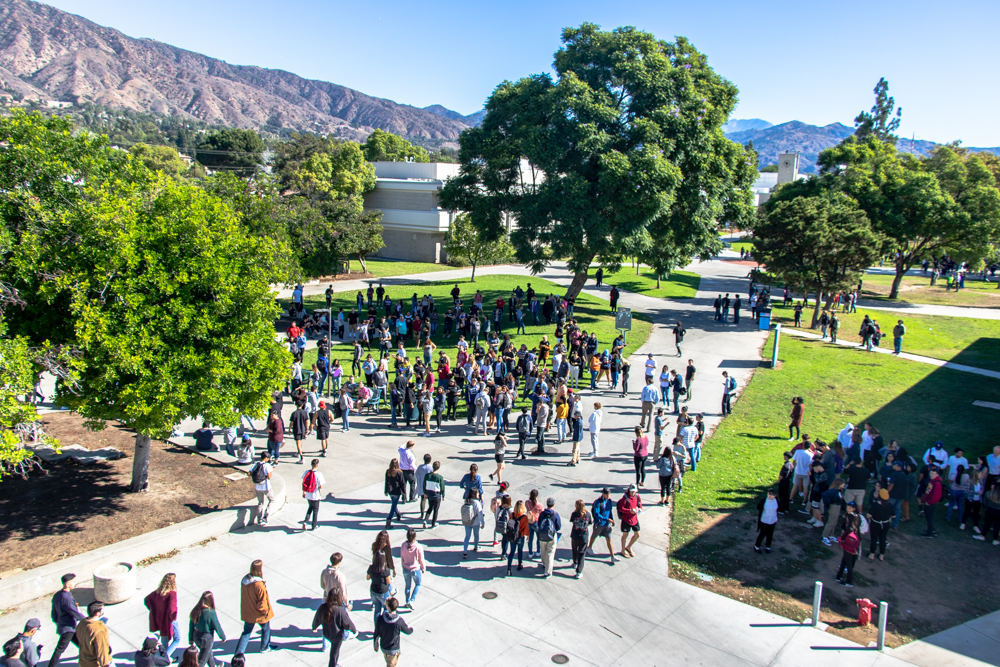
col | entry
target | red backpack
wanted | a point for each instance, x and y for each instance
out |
(309, 482)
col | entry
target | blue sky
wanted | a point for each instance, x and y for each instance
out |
(811, 61)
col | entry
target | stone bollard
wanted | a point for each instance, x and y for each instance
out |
(114, 582)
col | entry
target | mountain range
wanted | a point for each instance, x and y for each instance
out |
(49, 55)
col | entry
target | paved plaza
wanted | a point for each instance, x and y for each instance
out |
(630, 613)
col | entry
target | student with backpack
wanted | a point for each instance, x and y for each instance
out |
(767, 518)
(501, 515)
(312, 488)
(850, 542)
(728, 391)
(534, 508)
(496, 504)
(679, 332)
(523, 425)
(260, 474)
(549, 525)
(516, 529)
(603, 523)
(473, 519)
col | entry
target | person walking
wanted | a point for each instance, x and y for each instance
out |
(767, 519)
(834, 327)
(667, 469)
(65, 614)
(433, 488)
(473, 519)
(515, 533)
(336, 623)
(499, 449)
(203, 626)
(412, 556)
(275, 435)
(549, 527)
(523, 425)
(388, 628)
(898, 332)
(408, 466)
(381, 587)
(794, 427)
(851, 545)
(395, 488)
(255, 608)
(640, 450)
(650, 396)
(728, 391)
(595, 429)
(679, 332)
(471, 481)
(260, 475)
(629, 507)
(603, 523)
(324, 417)
(93, 638)
(534, 508)
(162, 606)
(31, 653)
(312, 491)
(689, 373)
(576, 428)
(299, 421)
(422, 471)
(580, 520)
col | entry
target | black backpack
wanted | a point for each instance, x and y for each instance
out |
(257, 473)
(510, 530)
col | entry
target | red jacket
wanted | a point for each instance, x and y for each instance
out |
(934, 491)
(162, 612)
(628, 509)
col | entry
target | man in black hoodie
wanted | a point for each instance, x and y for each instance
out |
(387, 629)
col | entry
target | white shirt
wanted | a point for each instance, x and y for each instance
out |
(320, 481)
(866, 441)
(650, 367)
(953, 463)
(595, 421)
(844, 437)
(770, 513)
(266, 484)
(803, 461)
(689, 434)
(407, 461)
(939, 456)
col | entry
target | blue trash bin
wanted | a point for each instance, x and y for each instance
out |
(764, 319)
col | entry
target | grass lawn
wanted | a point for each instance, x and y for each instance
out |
(917, 289)
(745, 245)
(592, 313)
(715, 517)
(963, 340)
(680, 284)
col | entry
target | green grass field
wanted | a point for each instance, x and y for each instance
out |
(964, 340)
(918, 289)
(680, 284)
(913, 403)
(592, 313)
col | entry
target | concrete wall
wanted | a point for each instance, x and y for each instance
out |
(413, 246)
(437, 171)
(406, 200)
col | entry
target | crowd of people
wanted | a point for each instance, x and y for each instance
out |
(858, 485)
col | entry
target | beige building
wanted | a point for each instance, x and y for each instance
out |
(414, 224)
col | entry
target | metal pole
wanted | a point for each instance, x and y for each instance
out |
(817, 600)
(883, 616)
(774, 353)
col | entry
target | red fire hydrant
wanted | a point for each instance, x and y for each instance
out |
(865, 607)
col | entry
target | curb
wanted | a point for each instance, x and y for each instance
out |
(45, 580)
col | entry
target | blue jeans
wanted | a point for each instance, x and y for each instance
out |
(897, 506)
(593, 380)
(500, 420)
(175, 639)
(414, 577)
(519, 544)
(378, 602)
(520, 327)
(533, 537)
(394, 509)
(265, 637)
(393, 411)
(274, 449)
(614, 379)
(469, 532)
(957, 502)
(345, 419)
(323, 377)
(897, 344)
(695, 457)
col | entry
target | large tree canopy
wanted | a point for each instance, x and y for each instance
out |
(153, 282)
(625, 139)
(231, 149)
(388, 147)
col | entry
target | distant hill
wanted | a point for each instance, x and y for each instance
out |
(808, 140)
(745, 124)
(50, 55)
(473, 119)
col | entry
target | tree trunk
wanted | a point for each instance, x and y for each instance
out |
(657, 281)
(140, 463)
(894, 292)
(473, 272)
(819, 303)
(575, 287)
(364, 264)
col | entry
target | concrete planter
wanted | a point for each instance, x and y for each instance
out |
(114, 582)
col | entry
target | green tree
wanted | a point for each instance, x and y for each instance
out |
(383, 146)
(152, 282)
(925, 207)
(231, 149)
(464, 242)
(769, 169)
(880, 123)
(626, 138)
(160, 158)
(821, 243)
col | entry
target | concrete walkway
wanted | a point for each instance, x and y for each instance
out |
(627, 614)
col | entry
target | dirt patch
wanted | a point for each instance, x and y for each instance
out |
(75, 508)
(921, 602)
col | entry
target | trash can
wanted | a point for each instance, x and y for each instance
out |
(764, 319)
